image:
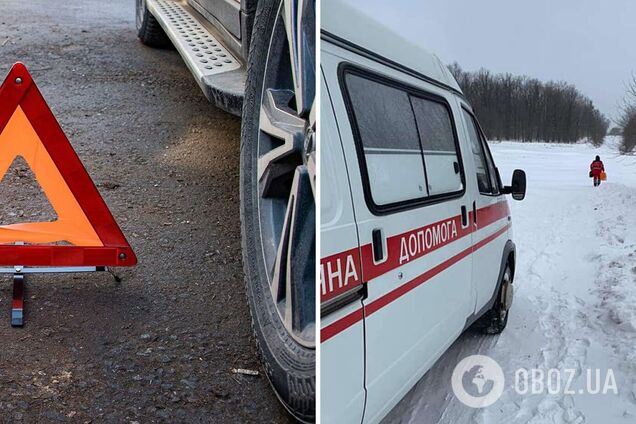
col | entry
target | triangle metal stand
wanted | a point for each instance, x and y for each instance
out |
(19, 280)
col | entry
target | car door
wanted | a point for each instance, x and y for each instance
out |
(342, 348)
(227, 12)
(412, 224)
(492, 217)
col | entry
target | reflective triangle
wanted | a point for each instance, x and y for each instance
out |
(19, 139)
(29, 130)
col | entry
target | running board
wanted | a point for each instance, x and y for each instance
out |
(219, 73)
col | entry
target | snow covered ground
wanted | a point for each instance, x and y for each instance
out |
(575, 298)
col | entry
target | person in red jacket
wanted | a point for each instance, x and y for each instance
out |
(595, 170)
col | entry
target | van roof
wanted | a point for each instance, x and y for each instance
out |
(349, 22)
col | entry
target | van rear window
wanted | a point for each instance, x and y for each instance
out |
(406, 142)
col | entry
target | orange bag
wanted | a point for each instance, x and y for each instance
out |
(603, 176)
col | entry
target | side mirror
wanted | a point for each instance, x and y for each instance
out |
(518, 188)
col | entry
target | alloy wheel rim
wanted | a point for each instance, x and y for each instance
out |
(139, 12)
(286, 170)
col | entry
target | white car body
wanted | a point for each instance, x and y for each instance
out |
(390, 309)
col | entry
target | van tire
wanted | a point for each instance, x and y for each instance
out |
(494, 321)
(289, 366)
(149, 30)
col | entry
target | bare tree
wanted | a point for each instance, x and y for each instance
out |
(520, 108)
(627, 119)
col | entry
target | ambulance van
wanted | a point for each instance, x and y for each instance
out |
(416, 240)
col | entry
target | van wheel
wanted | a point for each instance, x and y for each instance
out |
(278, 175)
(149, 30)
(495, 320)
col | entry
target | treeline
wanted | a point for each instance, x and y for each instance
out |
(513, 107)
(627, 119)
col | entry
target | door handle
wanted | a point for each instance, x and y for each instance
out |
(378, 250)
(475, 213)
(464, 216)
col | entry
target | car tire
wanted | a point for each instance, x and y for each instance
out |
(288, 363)
(149, 30)
(494, 321)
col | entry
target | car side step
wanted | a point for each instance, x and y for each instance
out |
(219, 73)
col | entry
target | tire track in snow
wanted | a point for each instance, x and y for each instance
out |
(541, 280)
(615, 308)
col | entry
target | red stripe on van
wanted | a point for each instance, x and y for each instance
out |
(341, 325)
(345, 271)
(492, 213)
(339, 273)
(418, 236)
(421, 279)
(354, 317)
(485, 216)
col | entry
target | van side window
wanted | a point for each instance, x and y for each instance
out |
(406, 141)
(389, 139)
(481, 167)
(438, 146)
(492, 170)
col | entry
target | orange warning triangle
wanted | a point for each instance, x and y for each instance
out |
(19, 139)
(29, 130)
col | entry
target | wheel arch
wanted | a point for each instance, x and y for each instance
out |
(511, 255)
(508, 256)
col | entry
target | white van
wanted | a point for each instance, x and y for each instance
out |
(416, 240)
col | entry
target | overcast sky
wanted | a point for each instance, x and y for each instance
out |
(589, 43)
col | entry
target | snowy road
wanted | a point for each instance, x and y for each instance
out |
(575, 299)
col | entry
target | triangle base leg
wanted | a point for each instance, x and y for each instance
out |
(17, 304)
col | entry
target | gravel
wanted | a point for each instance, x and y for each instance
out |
(160, 345)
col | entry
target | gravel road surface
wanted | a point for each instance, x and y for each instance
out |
(159, 346)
